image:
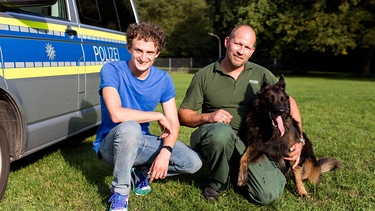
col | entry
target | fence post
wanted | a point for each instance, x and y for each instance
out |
(170, 65)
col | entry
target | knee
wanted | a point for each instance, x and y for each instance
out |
(265, 183)
(129, 132)
(266, 193)
(219, 136)
(195, 164)
(266, 197)
(185, 159)
(128, 128)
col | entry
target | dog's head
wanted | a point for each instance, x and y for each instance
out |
(273, 101)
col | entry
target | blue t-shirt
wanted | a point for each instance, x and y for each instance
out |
(134, 93)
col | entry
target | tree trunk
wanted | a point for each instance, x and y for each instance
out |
(368, 61)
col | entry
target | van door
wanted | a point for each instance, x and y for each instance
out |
(41, 59)
(102, 29)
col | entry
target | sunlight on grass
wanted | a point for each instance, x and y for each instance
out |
(338, 116)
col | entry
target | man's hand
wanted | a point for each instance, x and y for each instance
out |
(165, 127)
(295, 154)
(159, 167)
(220, 116)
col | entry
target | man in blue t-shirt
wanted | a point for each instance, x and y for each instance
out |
(129, 93)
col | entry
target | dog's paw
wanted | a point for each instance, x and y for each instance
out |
(305, 195)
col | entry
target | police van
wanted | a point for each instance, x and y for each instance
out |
(51, 53)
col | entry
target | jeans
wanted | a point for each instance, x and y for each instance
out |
(125, 146)
(221, 149)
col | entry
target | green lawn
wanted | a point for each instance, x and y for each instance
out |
(338, 116)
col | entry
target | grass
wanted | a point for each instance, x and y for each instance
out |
(338, 115)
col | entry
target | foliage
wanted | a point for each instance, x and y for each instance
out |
(328, 26)
(229, 13)
(285, 28)
(259, 15)
(186, 23)
(323, 26)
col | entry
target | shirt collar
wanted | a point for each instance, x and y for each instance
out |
(218, 67)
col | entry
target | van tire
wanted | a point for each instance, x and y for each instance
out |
(4, 162)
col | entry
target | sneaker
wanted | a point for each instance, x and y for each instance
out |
(211, 194)
(119, 202)
(140, 183)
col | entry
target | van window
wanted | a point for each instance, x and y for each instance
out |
(57, 10)
(110, 14)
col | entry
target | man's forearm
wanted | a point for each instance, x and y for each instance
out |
(191, 118)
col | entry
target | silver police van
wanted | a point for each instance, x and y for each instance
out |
(51, 52)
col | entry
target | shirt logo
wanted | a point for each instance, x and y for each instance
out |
(253, 82)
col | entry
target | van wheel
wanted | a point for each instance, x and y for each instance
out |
(4, 162)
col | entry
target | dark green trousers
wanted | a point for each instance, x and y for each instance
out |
(221, 150)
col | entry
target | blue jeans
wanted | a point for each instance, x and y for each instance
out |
(125, 146)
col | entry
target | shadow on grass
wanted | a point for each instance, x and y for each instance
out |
(78, 153)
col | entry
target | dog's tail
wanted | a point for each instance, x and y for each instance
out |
(328, 164)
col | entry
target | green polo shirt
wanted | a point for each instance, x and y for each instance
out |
(212, 89)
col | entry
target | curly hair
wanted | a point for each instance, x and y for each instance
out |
(147, 32)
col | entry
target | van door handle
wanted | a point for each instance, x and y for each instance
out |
(70, 31)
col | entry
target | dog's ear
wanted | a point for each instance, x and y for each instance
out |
(281, 82)
(265, 82)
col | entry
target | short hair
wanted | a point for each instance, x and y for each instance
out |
(251, 30)
(147, 32)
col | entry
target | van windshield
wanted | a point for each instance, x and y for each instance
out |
(58, 10)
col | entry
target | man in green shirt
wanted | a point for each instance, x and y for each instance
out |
(223, 92)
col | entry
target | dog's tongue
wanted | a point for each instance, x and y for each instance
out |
(280, 125)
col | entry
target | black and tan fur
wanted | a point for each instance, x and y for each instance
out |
(264, 138)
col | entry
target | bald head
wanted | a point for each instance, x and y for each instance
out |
(244, 30)
(240, 45)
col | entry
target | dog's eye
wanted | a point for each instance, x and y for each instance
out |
(272, 98)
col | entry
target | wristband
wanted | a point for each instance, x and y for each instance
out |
(168, 148)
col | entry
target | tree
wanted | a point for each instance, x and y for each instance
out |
(336, 26)
(339, 27)
(259, 14)
(186, 23)
(284, 27)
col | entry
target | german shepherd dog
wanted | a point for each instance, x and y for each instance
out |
(272, 132)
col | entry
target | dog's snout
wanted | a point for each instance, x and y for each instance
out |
(280, 110)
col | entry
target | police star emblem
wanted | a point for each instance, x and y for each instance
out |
(51, 53)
